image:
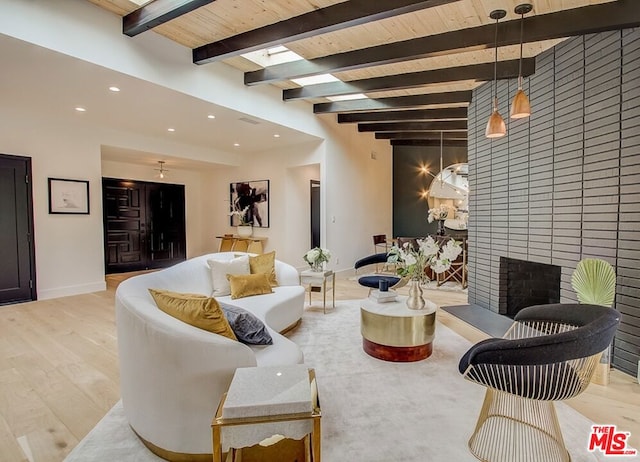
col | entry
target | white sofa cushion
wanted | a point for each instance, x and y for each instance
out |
(220, 269)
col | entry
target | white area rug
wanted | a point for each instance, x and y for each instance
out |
(372, 410)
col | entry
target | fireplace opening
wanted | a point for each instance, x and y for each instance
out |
(525, 283)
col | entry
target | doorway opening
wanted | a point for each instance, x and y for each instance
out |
(315, 212)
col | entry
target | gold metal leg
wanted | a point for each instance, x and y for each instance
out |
(333, 289)
(324, 296)
(317, 439)
(514, 429)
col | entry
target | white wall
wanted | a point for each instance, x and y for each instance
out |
(358, 193)
(356, 190)
(68, 247)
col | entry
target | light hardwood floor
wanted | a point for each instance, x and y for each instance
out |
(59, 372)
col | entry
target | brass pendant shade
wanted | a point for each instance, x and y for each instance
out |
(520, 107)
(496, 127)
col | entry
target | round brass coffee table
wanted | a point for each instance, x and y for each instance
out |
(393, 332)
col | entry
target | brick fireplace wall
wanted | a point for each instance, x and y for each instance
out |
(564, 184)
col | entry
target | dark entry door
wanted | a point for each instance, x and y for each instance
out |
(166, 231)
(144, 225)
(17, 255)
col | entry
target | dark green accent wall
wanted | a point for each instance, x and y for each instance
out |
(409, 209)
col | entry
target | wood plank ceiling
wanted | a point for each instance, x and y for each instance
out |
(415, 61)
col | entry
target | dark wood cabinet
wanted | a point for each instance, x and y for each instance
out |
(144, 225)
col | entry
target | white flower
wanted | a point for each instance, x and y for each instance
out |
(438, 213)
(317, 256)
(241, 214)
(440, 264)
(428, 246)
(451, 250)
(312, 255)
(410, 259)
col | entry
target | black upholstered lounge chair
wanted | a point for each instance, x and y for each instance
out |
(549, 354)
(372, 281)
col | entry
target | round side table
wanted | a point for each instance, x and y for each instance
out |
(393, 332)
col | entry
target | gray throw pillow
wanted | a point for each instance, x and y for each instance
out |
(248, 328)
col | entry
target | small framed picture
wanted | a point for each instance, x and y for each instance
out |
(68, 196)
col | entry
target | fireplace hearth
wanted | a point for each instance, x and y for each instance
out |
(525, 283)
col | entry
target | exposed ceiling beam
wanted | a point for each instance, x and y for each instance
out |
(435, 125)
(567, 23)
(320, 21)
(418, 114)
(484, 71)
(432, 135)
(370, 104)
(449, 143)
(157, 12)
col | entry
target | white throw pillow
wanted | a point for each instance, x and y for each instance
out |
(220, 269)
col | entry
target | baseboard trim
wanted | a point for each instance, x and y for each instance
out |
(58, 292)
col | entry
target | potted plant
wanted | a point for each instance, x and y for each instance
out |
(411, 263)
(244, 227)
(316, 258)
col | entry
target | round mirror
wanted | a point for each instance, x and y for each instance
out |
(450, 188)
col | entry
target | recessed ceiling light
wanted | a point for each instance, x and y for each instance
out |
(211, 116)
(114, 89)
(81, 109)
(236, 144)
(171, 129)
(276, 135)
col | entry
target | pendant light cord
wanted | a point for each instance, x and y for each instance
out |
(520, 64)
(441, 172)
(495, 71)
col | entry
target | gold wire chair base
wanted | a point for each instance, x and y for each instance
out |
(511, 429)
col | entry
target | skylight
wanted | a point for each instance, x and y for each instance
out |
(272, 56)
(315, 79)
(347, 97)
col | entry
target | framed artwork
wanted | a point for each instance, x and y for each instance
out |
(252, 199)
(68, 196)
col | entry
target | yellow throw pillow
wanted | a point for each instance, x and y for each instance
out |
(266, 264)
(197, 310)
(248, 284)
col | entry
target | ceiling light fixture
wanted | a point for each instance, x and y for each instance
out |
(171, 129)
(495, 125)
(520, 107)
(81, 109)
(236, 144)
(211, 116)
(276, 135)
(114, 89)
(162, 170)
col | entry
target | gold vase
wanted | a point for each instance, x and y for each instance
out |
(415, 300)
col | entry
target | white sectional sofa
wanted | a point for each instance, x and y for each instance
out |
(172, 375)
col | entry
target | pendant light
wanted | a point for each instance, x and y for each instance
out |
(495, 125)
(520, 107)
(162, 170)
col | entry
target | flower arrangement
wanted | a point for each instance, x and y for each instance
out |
(316, 257)
(411, 260)
(242, 216)
(438, 213)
